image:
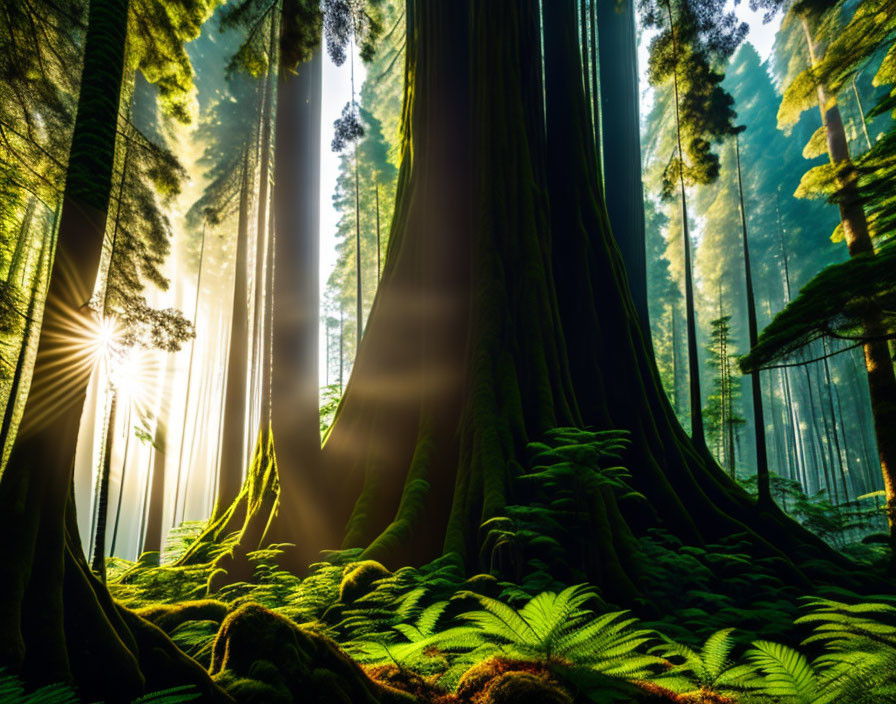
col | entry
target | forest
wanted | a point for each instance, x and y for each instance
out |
(448, 351)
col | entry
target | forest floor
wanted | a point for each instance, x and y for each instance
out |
(713, 624)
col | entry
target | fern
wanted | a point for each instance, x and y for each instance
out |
(13, 692)
(709, 672)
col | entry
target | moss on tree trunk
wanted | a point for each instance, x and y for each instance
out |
(504, 310)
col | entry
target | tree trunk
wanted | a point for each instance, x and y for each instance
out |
(762, 478)
(878, 363)
(128, 431)
(621, 143)
(101, 513)
(280, 488)
(233, 452)
(293, 381)
(155, 527)
(183, 432)
(262, 231)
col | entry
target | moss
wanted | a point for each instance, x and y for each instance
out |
(359, 578)
(253, 691)
(259, 654)
(170, 616)
(410, 682)
(524, 688)
(477, 680)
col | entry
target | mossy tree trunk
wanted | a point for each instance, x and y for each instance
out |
(504, 310)
(291, 376)
(276, 503)
(57, 621)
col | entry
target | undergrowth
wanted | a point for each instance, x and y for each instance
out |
(713, 623)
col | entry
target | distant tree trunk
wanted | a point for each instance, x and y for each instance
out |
(359, 296)
(233, 452)
(16, 262)
(153, 532)
(677, 380)
(762, 478)
(697, 434)
(183, 433)
(128, 430)
(621, 142)
(878, 363)
(829, 384)
(799, 445)
(378, 266)
(200, 424)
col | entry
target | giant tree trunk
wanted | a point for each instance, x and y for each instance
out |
(621, 143)
(503, 312)
(57, 622)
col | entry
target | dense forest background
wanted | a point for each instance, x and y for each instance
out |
(595, 403)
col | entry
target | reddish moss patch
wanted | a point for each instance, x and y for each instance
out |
(423, 689)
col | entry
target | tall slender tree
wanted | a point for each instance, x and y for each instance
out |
(691, 38)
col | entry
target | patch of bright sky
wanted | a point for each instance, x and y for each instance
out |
(337, 91)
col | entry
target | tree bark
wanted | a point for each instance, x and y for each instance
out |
(621, 143)
(762, 476)
(293, 381)
(233, 452)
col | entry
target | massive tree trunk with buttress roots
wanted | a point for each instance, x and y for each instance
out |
(504, 310)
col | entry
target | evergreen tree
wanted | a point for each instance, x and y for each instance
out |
(723, 421)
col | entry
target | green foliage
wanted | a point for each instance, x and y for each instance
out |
(721, 419)
(694, 36)
(834, 304)
(330, 396)
(708, 673)
(857, 666)
(12, 691)
(554, 517)
(157, 33)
